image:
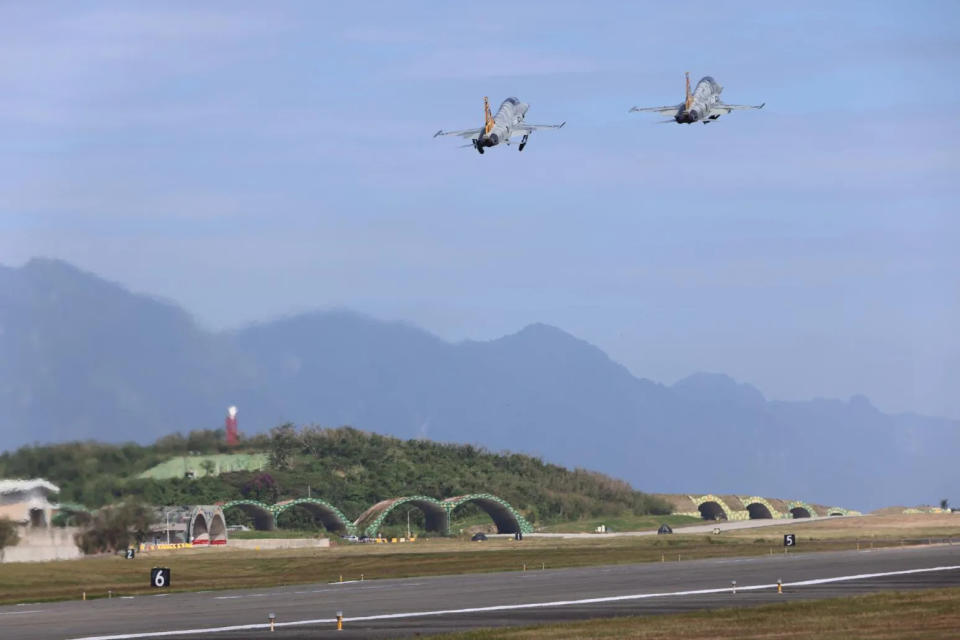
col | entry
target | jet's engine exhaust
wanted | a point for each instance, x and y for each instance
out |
(491, 140)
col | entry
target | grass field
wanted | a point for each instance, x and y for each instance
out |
(883, 528)
(276, 533)
(217, 568)
(621, 523)
(922, 615)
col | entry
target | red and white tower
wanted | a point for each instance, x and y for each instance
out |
(232, 426)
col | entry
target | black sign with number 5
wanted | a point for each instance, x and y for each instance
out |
(159, 577)
(790, 540)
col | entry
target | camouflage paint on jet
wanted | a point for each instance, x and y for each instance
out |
(500, 128)
(703, 104)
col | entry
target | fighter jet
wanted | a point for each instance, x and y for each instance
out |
(500, 128)
(703, 104)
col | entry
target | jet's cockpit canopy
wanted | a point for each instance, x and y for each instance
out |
(513, 101)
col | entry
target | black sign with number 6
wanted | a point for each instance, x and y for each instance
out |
(790, 540)
(159, 577)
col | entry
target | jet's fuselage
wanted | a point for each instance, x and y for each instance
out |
(700, 101)
(499, 127)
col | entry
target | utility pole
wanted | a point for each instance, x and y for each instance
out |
(166, 518)
(408, 524)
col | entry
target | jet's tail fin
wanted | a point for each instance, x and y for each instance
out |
(488, 117)
(689, 100)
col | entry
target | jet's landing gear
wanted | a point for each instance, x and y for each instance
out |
(478, 146)
(523, 142)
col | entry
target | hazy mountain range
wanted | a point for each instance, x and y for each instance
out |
(81, 358)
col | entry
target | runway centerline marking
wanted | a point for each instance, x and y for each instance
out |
(514, 607)
(16, 613)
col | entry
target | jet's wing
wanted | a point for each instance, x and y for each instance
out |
(525, 128)
(727, 108)
(465, 133)
(666, 111)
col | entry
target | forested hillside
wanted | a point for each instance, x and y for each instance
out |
(349, 468)
(82, 358)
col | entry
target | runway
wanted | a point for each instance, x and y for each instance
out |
(401, 608)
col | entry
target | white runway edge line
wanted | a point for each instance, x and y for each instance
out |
(513, 607)
(17, 613)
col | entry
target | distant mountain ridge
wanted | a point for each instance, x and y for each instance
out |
(81, 358)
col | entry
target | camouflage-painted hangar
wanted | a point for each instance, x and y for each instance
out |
(740, 507)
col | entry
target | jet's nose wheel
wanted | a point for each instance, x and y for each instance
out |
(523, 142)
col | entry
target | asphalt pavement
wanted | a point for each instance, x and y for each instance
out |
(406, 607)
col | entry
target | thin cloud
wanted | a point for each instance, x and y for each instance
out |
(495, 61)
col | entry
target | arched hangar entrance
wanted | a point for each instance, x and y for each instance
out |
(218, 529)
(800, 509)
(435, 514)
(199, 532)
(504, 516)
(328, 515)
(711, 510)
(759, 511)
(259, 513)
(207, 525)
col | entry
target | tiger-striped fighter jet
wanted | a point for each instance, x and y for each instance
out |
(500, 128)
(703, 104)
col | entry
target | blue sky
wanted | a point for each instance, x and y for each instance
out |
(248, 161)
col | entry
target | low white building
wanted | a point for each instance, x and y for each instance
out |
(28, 502)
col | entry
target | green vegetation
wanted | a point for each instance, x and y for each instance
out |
(209, 465)
(348, 468)
(115, 527)
(276, 533)
(932, 614)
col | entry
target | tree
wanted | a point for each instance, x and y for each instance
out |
(315, 441)
(209, 467)
(111, 528)
(8, 535)
(944, 504)
(261, 487)
(284, 443)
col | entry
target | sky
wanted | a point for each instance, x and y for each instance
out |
(251, 160)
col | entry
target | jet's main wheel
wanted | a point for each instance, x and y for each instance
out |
(522, 145)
